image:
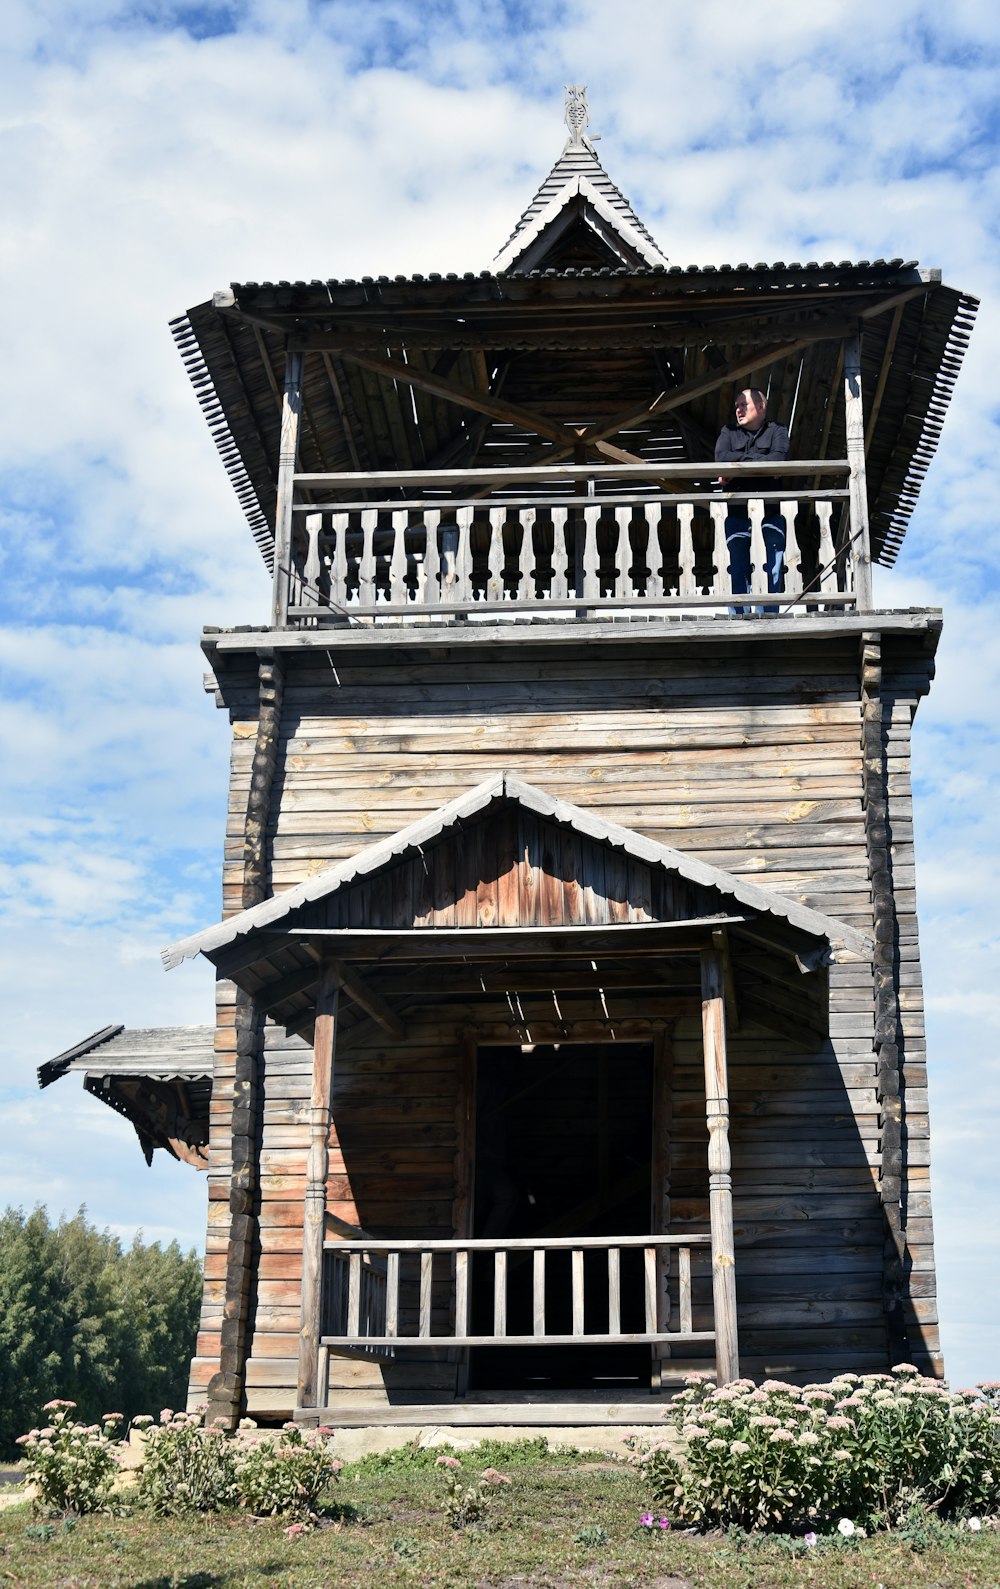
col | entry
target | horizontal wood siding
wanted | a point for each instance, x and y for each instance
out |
(746, 757)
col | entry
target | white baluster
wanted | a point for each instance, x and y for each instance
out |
(655, 581)
(722, 584)
(685, 554)
(827, 563)
(623, 585)
(432, 560)
(397, 559)
(449, 562)
(793, 552)
(560, 559)
(313, 566)
(758, 551)
(464, 559)
(366, 566)
(338, 568)
(526, 563)
(591, 582)
(494, 587)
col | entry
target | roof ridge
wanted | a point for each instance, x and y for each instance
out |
(578, 163)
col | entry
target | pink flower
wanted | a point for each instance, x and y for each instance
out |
(810, 1539)
(166, 1415)
(646, 1520)
(50, 1406)
(492, 1476)
(663, 1523)
(447, 1462)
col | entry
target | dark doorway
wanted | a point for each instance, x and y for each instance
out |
(563, 1148)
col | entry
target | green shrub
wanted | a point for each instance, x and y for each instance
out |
(286, 1477)
(72, 1465)
(864, 1448)
(186, 1468)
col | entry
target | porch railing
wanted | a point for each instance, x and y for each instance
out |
(381, 1295)
(561, 540)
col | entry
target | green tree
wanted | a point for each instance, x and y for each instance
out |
(111, 1328)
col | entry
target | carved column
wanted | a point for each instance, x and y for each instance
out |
(317, 1166)
(271, 684)
(720, 1182)
(884, 925)
(226, 1388)
(288, 456)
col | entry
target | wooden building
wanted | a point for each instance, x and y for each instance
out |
(570, 1022)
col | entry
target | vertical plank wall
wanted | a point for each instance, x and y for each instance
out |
(745, 754)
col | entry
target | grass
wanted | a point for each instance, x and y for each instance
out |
(563, 1521)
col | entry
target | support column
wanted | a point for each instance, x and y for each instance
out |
(226, 1392)
(288, 455)
(317, 1165)
(885, 929)
(854, 418)
(256, 868)
(720, 1183)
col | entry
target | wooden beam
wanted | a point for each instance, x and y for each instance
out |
(345, 418)
(317, 1167)
(356, 988)
(720, 1183)
(721, 941)
(883, 374)
(464, 396)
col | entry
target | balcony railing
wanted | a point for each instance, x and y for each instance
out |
(451, 547)
(581, 1291)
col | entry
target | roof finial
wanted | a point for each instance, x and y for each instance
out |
(577, 111)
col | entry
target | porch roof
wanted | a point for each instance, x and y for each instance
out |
(506, 787)
(512, 892)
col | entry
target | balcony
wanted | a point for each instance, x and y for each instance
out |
(458, 547)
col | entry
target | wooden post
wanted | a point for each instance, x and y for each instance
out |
(720, 1184)
(317, 1165)
(288, 455)
(854, 418)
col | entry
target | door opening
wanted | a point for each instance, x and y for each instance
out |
(563, 1147)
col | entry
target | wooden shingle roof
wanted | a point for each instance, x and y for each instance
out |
(583, 321)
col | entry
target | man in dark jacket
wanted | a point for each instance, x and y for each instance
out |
(753, 439)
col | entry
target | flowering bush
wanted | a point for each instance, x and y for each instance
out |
(72, 1465)
(863, 1449)
(186, 1468)
(466, 1504)
(286, 1477)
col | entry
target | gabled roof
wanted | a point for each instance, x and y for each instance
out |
(507, 788)
(578, 188)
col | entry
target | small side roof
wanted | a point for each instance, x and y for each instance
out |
(508, 787)
(161, 1053)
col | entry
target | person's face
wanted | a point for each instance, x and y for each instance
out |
(748, 415)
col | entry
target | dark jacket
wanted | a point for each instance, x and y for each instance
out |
(767, 445)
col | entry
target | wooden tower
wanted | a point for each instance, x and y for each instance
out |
(569, 1008)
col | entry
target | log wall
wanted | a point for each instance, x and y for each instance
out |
(749, 756)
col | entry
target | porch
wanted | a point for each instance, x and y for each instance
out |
(514, 926)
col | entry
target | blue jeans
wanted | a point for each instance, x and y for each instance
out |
(738, 543)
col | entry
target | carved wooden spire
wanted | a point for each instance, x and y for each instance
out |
(577, 113)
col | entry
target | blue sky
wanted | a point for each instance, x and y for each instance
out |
(152, 153)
